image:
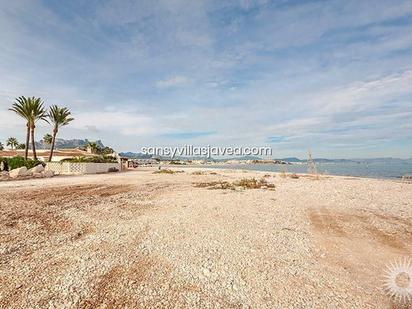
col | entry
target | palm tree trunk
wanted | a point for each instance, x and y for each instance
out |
(52, 144)
(26, 150)
(33, 143)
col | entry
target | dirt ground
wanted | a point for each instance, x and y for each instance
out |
(139, 239)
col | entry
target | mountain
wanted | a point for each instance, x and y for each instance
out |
(135, 155)
(68, 143)
(292, 159)
(138, 155)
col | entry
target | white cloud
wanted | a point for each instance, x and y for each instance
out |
(174, 81)
(142, 68)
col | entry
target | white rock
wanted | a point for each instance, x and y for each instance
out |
(48, 174)
(21, 171)
(38, 175)
(37, 169)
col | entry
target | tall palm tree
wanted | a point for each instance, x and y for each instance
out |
(59, 117)
(47, 139)
(32, 110)
(22, 108)
(12, 142)
(1, 146)
(38, 112)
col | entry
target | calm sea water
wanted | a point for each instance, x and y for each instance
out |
(371, 170)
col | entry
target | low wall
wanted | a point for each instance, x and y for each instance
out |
(71, 168)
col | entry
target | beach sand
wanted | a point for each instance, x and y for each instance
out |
(139, 239)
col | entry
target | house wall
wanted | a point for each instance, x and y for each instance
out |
(70, 168)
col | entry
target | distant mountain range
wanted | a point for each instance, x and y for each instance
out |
(68, 143)
(137, 155)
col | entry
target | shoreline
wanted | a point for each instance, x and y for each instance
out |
(239, 167)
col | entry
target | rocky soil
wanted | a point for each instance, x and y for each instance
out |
(139, 239)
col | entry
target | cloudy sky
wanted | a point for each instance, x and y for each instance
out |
(335, 76)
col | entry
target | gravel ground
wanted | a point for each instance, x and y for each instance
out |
(139, 239)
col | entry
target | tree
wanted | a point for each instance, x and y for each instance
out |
(12, 142)
(22, 108)
(106, 151)
(94, 148)
(1, 146)
(47, 139)
(32, 110)
(59, 117)
(21, 146)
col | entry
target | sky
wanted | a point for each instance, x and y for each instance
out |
(332, 76)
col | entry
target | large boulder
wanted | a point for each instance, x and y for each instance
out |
(18, 172)
(38, 175)
(4, 175)
(37, 169)
(48, 173)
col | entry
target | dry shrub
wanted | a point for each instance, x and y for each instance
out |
(294, 176)
(245, 183)
(283, 174)
(214, 185)
(167, 171)
(213, 173)
(198, 173)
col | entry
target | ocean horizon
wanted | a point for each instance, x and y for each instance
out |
(377, 170)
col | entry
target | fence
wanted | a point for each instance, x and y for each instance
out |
(71, 168)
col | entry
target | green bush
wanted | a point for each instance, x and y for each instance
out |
(17, 162)
(95, 159)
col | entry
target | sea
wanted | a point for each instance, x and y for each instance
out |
(378, 170)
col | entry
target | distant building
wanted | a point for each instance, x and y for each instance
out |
(142, 162)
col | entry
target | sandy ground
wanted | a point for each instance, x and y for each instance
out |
(139, 239)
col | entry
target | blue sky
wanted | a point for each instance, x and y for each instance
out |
(333, 76)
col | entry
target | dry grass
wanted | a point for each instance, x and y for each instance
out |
(198, 173)
(167, 171)
(245, 183)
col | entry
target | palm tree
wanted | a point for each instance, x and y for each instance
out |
(32, 110)
(93, 147)
(1, 146)
(59, 117)
(21, 146)
(38, 112)
(22, 108)
(12, 142)
(47, 139)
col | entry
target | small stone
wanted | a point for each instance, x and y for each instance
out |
(206, 272)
